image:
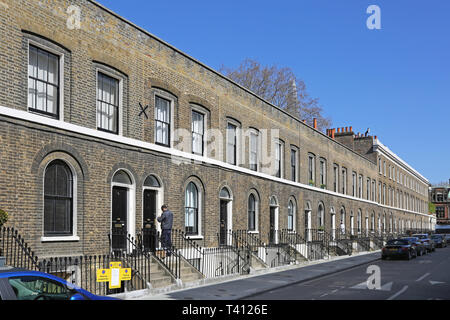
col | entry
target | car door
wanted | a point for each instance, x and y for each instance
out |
(29, 287)
(6, 291)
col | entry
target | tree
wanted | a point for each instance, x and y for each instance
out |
(281, 87)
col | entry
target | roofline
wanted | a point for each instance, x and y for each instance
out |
(222, 76)
(379, 146)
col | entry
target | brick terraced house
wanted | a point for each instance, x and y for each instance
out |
(101, 121)
(440, 197)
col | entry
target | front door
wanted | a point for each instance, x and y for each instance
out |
(308, 225)
(223, 222)
(272, 232)
(119, 217)
(149, 231)
(333, 226)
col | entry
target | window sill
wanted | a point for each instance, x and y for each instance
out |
(195, 237)
(60, 239)
(253, 232)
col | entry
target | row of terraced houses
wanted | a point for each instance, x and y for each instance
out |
(102, 122)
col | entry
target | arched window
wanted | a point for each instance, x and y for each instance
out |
(152, 182)
(58, 199)
(225, 194)
(191, 209)
(122, 177)
(359, 222)
(321, 216)
(252, 212)
(291, 215)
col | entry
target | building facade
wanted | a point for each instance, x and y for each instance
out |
(440, 197)
(100, 121)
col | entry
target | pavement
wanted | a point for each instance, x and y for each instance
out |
(423, 278)
(259, 282)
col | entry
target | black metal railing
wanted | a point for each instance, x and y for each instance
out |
(82, 271)
(15, 250)
(149, 243)
(297, 242)
(341, 241)
(189, 250)
(320, 243)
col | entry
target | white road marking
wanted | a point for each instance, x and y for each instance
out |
(363, 286)
(398, 293)
(436, 282)
(423, 277)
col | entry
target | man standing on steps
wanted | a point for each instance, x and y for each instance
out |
(166, 220)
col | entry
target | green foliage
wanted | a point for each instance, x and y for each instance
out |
(3, 217)
(431, 207)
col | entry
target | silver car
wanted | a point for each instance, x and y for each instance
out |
(427, 241)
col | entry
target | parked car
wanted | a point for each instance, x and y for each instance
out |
(447, 237)
(21, 284)
(439, 240)
(420, 248)
(427, 241)
(398, 248)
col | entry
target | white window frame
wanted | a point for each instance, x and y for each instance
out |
(120, 99)
(201, 110)
(171, 110)
(199, 235)
(238, 139)
(60, 74)
(74, 236)
(254, 132)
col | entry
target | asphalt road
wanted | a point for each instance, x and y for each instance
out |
(424, 278)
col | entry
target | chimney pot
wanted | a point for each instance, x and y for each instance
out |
(332, 133)
(338, 130)
(346, 129)
(351, 129)
(376, 137)
(315, 123)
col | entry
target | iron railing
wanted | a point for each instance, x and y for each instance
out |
(15, 250)
(122, 242)
(82, 271)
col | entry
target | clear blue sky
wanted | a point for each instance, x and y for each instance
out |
(395, 81)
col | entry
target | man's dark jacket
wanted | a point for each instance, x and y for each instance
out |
(166, 220)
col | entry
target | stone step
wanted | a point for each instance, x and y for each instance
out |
(160, 281)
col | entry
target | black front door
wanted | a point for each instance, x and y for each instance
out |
(223, 222)
(272, 225)
(119, 217)
(149, 231)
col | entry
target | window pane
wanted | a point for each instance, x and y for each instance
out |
(42, 65)
(51, 98)
(122, 177)
(53, 76)
(108, 102)
(32, 63)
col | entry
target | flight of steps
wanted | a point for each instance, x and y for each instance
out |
(159, 276)
(189, 273)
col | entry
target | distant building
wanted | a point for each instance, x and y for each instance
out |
(440, 197)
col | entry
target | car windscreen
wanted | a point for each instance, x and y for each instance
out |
(411, 239)
(397, 242)
(420, 236)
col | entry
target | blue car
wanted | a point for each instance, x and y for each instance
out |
(21, 284)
